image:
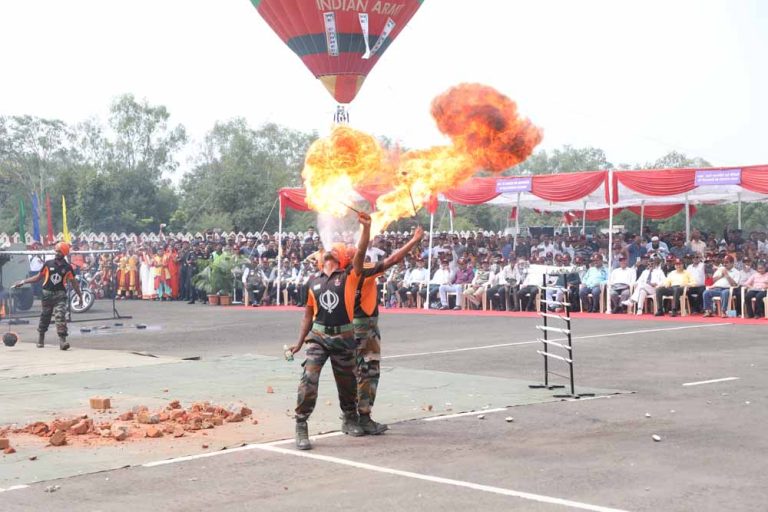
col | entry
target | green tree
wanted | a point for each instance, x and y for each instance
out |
(122, 173)
(238, 174)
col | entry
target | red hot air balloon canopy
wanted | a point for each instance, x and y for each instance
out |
(339, 40)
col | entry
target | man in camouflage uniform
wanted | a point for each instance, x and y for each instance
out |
(55, 274)
(368, 337)
(327, 329)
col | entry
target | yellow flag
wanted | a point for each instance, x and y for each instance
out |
(67, 238)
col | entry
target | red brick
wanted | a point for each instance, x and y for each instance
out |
(235, 418)
(10, 450)
(194, 424)
(174, 404)
(153, 432)
(205, 447)
(177, 414)
(59, 438)
(62, 424)
(39, 428)
(119, 432)
(81, 427)
(100, 403)
(126, 416)
(217, 420)
(147, 418)
(4, 443)
(270, 390)
(179, 432)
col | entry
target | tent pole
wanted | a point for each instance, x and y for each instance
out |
(642, 216)
(584, 219)
(429, 256)
(610, 232)
(517, 222)
(687, 220)
(450, 216)
(739, 208)
(279, 245)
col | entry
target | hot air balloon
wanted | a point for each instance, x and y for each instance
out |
(339, 40)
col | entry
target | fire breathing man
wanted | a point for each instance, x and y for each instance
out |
(55, 274)
(328, 331)
(368, 336)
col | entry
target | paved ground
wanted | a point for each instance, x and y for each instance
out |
(588, 454)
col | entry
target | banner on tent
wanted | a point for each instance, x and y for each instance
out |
(508, 185)
(718, 177)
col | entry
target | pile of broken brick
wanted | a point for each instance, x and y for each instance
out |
(138, 423)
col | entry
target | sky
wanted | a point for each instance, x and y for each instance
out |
(637, 79)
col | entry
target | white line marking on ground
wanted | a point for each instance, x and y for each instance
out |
(200, 456)
(532, 342)
(724, 379)
(462, 414)
(14, 488)
(313, 438)
(327, 435)
(449, 351)
(440, 480)
(500, 409)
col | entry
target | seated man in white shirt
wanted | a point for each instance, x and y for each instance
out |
(646, 285)
(620, 283)
(697, 269)
(442, 276)
(725, 280)
(413, 281)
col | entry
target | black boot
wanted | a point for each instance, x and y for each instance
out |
(371, 427)
(40, 340)
(63, 343)
(350, 425)
(302, 436)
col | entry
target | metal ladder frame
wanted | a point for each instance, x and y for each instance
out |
(547, 343)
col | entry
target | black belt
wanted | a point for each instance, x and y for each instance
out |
(332, 329)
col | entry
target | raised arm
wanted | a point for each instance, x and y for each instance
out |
(401, 253)
(362, 244)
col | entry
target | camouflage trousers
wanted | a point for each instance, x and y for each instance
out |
(368, 358)
(340, 349)
(54, 304)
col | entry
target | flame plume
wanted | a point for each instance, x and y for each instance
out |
(486, 132)
(338, 163)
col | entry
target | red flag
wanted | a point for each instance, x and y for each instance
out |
(513, 213)
(50, 237)
(569, 217)
(452, 209)
(432, 205)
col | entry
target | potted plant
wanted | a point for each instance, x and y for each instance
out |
(216, 279)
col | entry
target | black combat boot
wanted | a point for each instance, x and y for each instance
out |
(40, 340)
(371, 427)
(350, 425)
(63, 343)
(302, 436)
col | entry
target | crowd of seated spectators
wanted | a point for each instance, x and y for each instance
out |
(654, 273)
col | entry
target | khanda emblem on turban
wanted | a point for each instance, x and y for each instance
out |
(329, 300)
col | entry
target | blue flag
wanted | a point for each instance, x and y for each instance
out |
(35, 218)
